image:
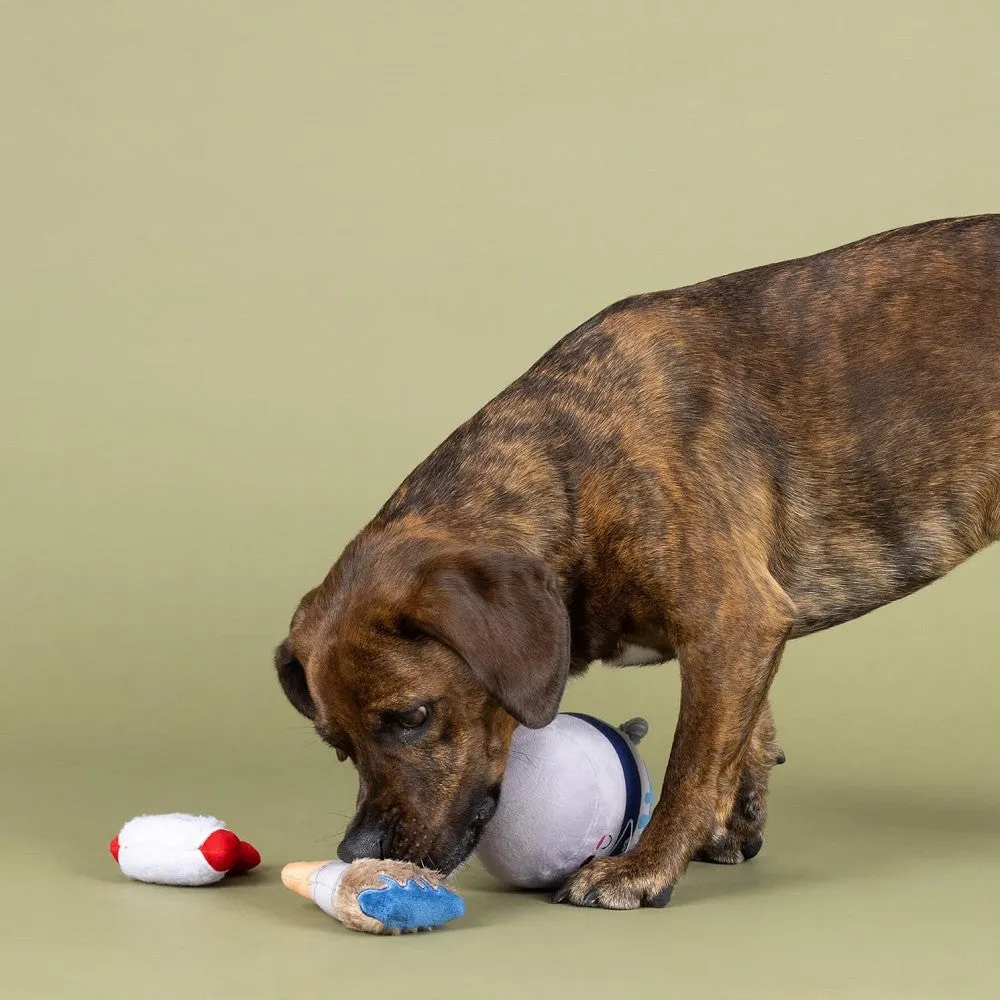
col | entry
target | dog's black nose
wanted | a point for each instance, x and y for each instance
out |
(362, 840)
(487, 808)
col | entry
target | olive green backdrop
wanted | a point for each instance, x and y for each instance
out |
(257, 260)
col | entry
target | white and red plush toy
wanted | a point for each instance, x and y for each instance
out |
(181, 849)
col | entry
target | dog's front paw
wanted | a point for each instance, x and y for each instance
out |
(623, 883)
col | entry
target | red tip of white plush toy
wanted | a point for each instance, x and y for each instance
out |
(221, 849)
(247, 858)
(225, 852)
(113, 848)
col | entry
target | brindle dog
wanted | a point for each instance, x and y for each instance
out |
(701, 473)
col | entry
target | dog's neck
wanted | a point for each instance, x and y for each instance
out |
(516, 505)
(528, 506)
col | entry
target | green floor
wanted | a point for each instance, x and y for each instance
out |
(880, 877)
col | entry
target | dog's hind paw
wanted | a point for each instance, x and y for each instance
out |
(729, 851)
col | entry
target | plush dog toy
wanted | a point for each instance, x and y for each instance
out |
(181, 849)
(574, 790)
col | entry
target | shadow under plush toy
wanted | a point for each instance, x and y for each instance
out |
(574, 790)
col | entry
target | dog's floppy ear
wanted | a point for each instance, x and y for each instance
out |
(504, 616)
(292, 677)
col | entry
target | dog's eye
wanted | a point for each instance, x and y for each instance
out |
(407, 628)
(414, 718)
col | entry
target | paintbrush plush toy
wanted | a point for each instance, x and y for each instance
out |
(379, 897)
(574, 790)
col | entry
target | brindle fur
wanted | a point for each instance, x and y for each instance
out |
(706, 472)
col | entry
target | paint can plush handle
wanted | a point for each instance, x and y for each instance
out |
(635, 729)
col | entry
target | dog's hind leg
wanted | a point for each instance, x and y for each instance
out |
(741, 837)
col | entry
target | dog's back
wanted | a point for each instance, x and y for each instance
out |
(841, 412)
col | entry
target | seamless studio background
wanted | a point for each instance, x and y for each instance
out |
(257, 260)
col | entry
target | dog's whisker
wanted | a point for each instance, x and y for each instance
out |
(334, 812)
(333, 837)
(529, 759)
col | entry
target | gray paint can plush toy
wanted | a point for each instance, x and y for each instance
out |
(574, 790)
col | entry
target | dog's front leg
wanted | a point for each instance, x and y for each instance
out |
(725, 676)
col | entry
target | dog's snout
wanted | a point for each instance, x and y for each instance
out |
(362, 840)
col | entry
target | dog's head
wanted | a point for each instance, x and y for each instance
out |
(415, 659)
